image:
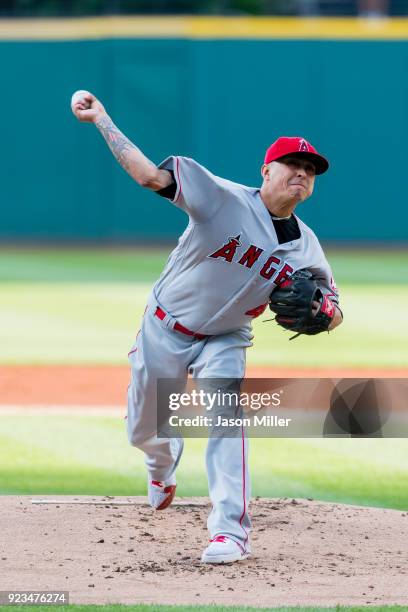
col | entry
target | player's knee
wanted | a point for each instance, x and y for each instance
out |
(137, 436)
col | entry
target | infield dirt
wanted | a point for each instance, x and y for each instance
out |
(304, 552)
(106, 385)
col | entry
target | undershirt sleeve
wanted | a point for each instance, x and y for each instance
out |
(169, 192)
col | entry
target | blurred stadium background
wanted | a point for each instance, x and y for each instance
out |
(220, 7)
(80, 243)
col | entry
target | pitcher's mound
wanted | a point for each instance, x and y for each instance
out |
(118, 550)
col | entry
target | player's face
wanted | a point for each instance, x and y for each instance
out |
(292, 176)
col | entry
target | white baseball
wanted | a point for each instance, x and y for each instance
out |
(79, 96)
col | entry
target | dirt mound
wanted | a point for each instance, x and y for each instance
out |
(117, 550)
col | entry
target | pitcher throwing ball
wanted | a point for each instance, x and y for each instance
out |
(242, 245)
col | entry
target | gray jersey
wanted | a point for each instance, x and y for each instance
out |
(229, 260)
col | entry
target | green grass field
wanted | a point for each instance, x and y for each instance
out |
(84, 306)
(156, 608)
(89, 455)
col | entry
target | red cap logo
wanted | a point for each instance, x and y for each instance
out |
(303, 146)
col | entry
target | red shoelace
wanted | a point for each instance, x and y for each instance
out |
(219, 538)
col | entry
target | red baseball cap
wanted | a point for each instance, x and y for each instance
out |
(298, 147)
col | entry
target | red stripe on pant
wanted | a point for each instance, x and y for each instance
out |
(243, 487)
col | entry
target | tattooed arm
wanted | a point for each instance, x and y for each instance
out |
(140, 168)
(88, 109)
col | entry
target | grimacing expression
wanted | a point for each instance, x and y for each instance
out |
(292, 175)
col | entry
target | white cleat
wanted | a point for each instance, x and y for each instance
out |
(223, 550)
(160, 494)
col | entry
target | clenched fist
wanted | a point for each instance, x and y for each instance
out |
(86, 107)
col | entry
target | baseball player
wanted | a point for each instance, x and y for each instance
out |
(240, 244)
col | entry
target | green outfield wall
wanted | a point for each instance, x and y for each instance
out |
(218, 94)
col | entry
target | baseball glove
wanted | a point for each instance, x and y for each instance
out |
(300, 305)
